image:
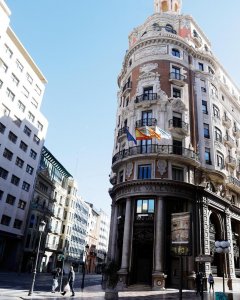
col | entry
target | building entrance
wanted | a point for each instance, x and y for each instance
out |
(142, 263)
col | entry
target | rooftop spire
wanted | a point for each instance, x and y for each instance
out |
(167, 6)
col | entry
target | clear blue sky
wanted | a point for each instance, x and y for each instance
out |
(79, 46)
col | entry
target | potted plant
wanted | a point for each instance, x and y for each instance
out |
(111, 274)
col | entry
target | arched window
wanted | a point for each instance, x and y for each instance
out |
(220, 160)
(176, 52)
(164, 6)
(216, 111)
(218, 135)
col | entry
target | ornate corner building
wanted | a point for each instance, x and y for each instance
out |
(171, 79)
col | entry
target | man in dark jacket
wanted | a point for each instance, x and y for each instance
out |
(71, 279)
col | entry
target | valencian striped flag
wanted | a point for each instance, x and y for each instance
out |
(130, 137)
(163, 134)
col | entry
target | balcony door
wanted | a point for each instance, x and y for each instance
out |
(147, 93)
(147, 118)
(177, 147)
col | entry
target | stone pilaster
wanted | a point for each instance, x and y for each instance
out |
(206, 233)
(123, 272)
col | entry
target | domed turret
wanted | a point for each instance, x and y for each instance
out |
(167, 6)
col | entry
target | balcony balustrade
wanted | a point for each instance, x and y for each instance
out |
(146, 122)
(146, 97)
(233, 183)
(229, 141)
(226, 121)
(122, 130)
(236, 132)
(178, 125)
(231, 161)
(155, 149)
(177, 78)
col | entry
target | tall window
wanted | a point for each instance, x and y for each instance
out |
(146, 146)
(147, 118)
(145, 206)
(216, 111)
(177, 173)
(220, 160)
(148, 93)
(218, 134)
(200, 66)
(208, 156)
(204, 107)
(206, 131)
(144, 171)
(177, 147)
(176, 93)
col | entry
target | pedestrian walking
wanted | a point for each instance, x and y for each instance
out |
(55, 283)
(71, 279)
(199, 283)
(211, 282)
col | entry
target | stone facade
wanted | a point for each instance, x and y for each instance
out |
(171, 79)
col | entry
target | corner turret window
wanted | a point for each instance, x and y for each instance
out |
(176, 52)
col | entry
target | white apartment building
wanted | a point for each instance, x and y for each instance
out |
(22, 132)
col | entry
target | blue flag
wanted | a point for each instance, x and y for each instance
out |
(130, 137)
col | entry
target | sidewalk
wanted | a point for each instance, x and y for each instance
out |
(96, 293)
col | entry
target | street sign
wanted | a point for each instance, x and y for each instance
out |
(204, 258)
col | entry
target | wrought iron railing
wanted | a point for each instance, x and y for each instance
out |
(146, 122)
(234, 181)
(155, 149)
(146, 97)
(177, 123)
(123, 130)
(177, 76)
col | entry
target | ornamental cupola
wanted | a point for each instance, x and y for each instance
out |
(167, 6)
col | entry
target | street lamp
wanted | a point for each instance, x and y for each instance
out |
(223, 247)
(41, 229)
(83, 270)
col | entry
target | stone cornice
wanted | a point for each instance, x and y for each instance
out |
(153, 188)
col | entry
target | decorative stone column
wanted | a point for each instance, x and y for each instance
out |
(123, 272)
(230, 257)
(158, 276)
